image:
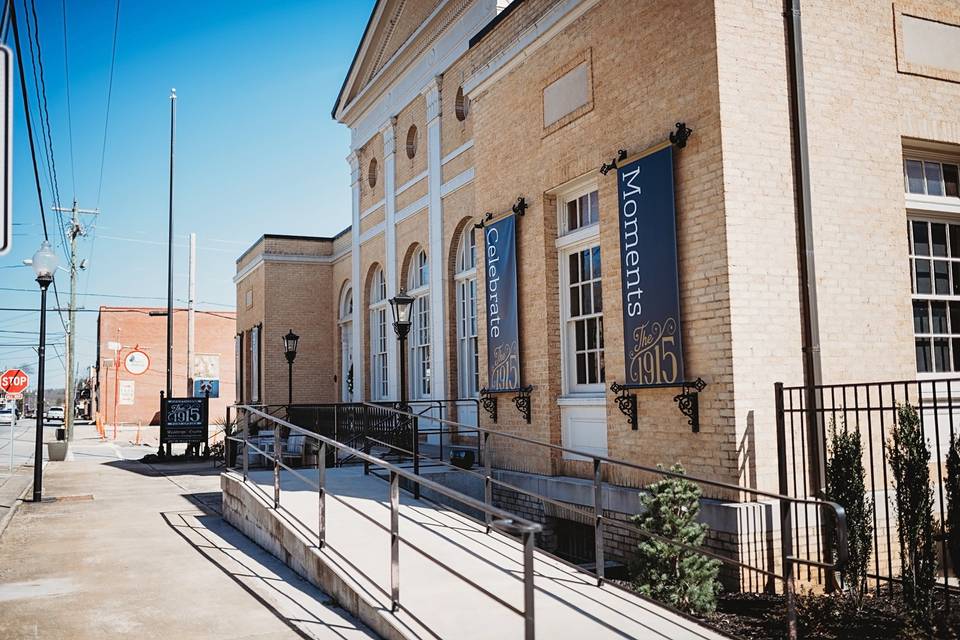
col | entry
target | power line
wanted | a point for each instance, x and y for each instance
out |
(106, 120)
(26, 110)
(66, 68)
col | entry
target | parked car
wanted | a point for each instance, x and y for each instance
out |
(8, 416)
(55, 414)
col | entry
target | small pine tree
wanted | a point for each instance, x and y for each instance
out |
(953, 504)
(909, 460)
(667, 572)
(847, 487)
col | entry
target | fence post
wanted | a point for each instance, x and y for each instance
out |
(246, 447)
(394, 541)
(321, 491)
(276, 465)
(487, 483)
(416, 456)
(598, 519)
(528, 613)
(366, 438)
(336, 431)
(786, 524)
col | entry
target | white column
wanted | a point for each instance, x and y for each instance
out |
(359, 313)
(438, 303)
(390, 243)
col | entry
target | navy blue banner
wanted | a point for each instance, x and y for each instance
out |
(653, 353)
(503, 325)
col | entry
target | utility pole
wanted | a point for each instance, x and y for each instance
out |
(191, 301)
(173, 137)
(76, 229)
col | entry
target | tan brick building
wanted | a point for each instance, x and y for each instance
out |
(129, 393)
(457, 108)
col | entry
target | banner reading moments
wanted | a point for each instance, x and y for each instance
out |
(653, 353)
(503, 326)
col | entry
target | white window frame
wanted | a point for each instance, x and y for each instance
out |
(421, 333)
(345, 323)
(569, 242)
(378, 313)
(465, 284)
(931, 210)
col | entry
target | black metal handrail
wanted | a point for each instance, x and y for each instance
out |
(785, 502)
(504, 521)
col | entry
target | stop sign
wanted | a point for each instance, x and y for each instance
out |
(14, 381)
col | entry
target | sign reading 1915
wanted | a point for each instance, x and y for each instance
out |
(653, 353)
(183, 419)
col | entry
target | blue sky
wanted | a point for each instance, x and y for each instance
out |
(257, 151)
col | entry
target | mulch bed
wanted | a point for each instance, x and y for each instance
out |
(828, 617)
(759, 616)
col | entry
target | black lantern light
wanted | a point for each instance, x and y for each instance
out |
(290, 342)
(401, 304)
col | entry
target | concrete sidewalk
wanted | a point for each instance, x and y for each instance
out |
(127, 549)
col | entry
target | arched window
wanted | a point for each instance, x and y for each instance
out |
(346, 344)
(465, 283)
(379, 310)
(418, 287)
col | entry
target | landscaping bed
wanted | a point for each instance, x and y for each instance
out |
(753, 616)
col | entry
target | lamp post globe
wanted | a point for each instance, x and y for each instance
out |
(44, 265)
(290, 343)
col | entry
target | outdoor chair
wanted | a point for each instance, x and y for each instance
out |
(294, 448)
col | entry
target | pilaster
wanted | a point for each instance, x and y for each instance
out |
(359, 356)
(390, 244)
(438, 303)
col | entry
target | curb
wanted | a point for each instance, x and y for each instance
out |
(13, 508)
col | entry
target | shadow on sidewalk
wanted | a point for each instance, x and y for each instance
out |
(274, 585)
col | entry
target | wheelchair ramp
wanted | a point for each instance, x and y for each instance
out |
(450, 569)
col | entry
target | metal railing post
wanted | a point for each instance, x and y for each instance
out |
(246, 447)
(226, 441)
(416, 456)
(394, 541)
(598, 519)
(366, 438)
(528, 612)
(321, 491)
(487, 481)
(336, 432)
(276, 465)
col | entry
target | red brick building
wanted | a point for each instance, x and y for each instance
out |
(128, 384)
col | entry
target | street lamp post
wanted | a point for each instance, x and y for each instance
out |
(401, 305)
(290, 342)
(44, 265)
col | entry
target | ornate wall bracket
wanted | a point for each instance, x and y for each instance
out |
(688, 400)
(626, 402)
(521, 400)
(681, 135)
(489, 404)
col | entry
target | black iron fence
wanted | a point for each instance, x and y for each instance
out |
(805, 417)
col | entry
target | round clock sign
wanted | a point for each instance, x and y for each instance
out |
(136, 362)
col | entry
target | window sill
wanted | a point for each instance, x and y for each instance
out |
(582, 400)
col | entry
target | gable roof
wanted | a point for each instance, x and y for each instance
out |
(356, 55)
(392, 26)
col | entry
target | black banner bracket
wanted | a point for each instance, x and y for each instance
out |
(688, 400)
(521, 401)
